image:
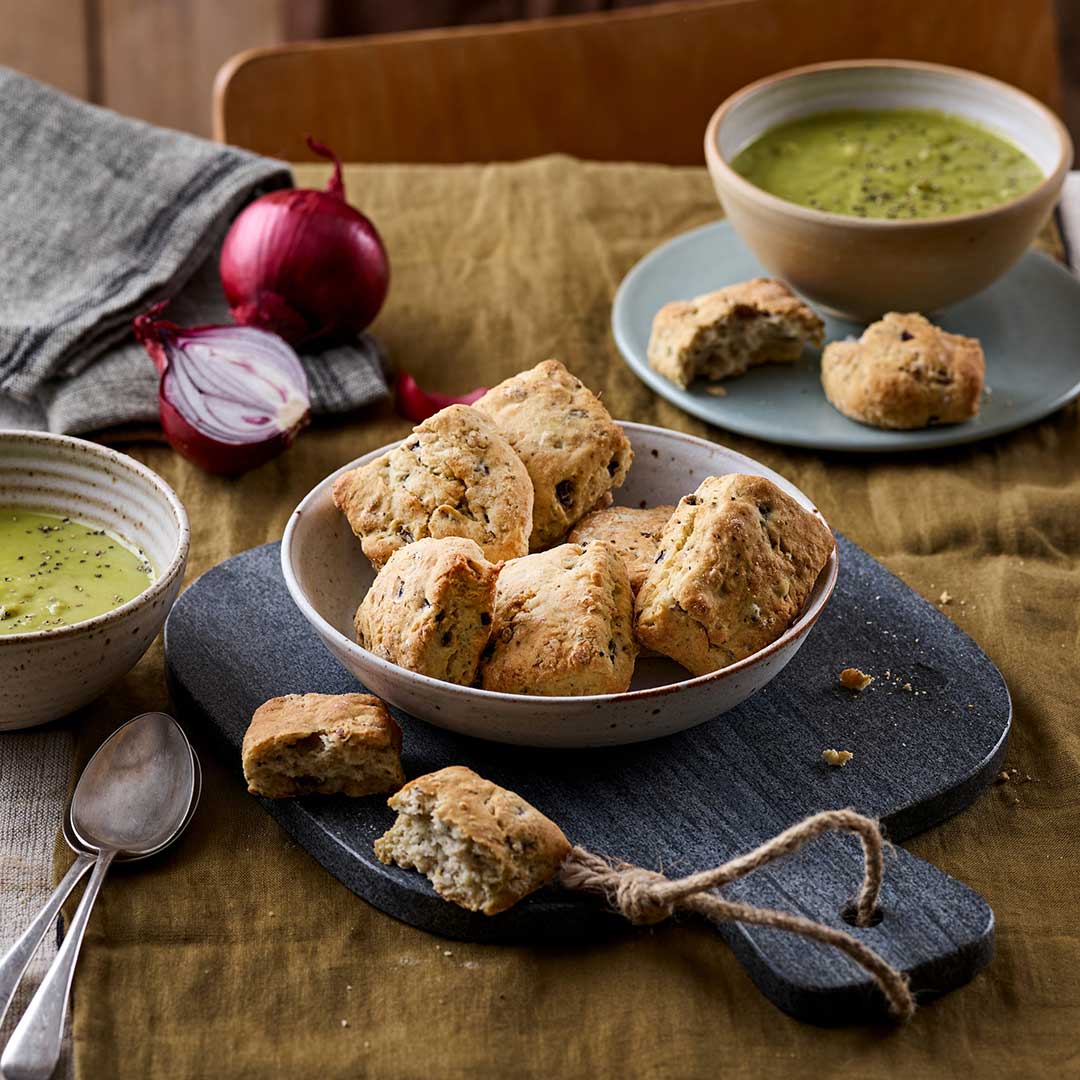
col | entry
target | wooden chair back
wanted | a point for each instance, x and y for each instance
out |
(636, 84)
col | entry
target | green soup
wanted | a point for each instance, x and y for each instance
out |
(887, 163)
(55, 571)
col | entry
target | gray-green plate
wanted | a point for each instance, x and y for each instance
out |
(1028, 323)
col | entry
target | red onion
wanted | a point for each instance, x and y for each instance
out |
(417, 405)
(305, 264)
(230, 397)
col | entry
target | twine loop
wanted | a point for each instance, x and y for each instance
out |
(646, 897)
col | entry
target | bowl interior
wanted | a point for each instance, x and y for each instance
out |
(79, 479)
(994, 105)
(333, 574)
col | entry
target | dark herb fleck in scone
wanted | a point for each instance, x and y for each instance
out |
(574, 452)
(455, 475)
(562, 624)
(734, 568)
(903, 373)
(430, 609)
(632, 532)
(322, 744)
(724, 333)
(481, 846)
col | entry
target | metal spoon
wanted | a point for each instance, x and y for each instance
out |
(135, 797)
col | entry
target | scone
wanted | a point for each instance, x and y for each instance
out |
(429, 609)
(322, 744)
(735, 565)
(562, 624)
(455, 475)
(481, 846)
(724, 333)
(574, 451)
(633, 533)
(904, 372)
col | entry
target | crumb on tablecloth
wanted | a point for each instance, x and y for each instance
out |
(854, 679)
(838, 758)
(945, 597)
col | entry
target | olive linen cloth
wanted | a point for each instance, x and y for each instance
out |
(236, 955)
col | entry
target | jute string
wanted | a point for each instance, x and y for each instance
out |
(646, 897)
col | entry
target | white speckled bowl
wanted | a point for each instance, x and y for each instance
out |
(328, 575)
(47, 674)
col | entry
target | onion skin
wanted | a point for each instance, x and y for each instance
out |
(417, 405)
(304, 264)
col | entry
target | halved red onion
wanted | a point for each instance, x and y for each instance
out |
(416, 404)
(230, 397)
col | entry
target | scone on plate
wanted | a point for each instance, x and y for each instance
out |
(724, 333)
(632, 532)
(455, 475)
(574, 451)
(905, 372)
(429, 609)
(322, 744)
(481, 846)
(735, 565)
(562, 624)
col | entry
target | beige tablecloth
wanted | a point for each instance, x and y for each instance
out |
(237, 956)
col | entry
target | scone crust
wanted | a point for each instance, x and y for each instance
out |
(905, 372)
(430, 608)
(634, 534)
(682, 346)
(735, 565)
(359, 719)
(455, 475)
(562, 624)
(513, 833)
(574, 452)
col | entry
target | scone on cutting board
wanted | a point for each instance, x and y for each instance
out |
(322, 744)
(455, 475)
(726, 332)
(430, 608)
(734, 568)
(904, 373)
(562, 624)
(574, 452)
(481, 846)
(632, 532)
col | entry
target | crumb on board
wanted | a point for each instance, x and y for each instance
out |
(839, 758)
(716, 390)
(854, 679)
(945, 597)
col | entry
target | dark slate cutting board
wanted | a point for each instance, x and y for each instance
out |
(682, 803)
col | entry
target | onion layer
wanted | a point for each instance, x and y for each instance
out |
(305, 264)
(417, 405)
(230, 397)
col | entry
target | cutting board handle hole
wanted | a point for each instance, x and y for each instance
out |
(847, 913)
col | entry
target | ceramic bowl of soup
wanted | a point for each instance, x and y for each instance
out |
(881, 185)
(93, 547)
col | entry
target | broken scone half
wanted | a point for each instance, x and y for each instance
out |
(430, 609)
(726, 332)
(481, 846)
(322, 744)
(734, 567)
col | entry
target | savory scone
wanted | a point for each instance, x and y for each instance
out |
(481, 846)
(632, 532)
(562, 624)
(905, 372)
(735, 565)
(574, 451)
(322, 744)
(724, 333)
(455, 475)
(429, 609)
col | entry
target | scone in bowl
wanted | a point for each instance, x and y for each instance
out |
(46, 674)
(863, 267)
(328, 575)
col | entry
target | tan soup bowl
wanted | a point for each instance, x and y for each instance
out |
(862, 267)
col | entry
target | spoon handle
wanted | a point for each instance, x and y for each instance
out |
(34, 1048)
(16, 959)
